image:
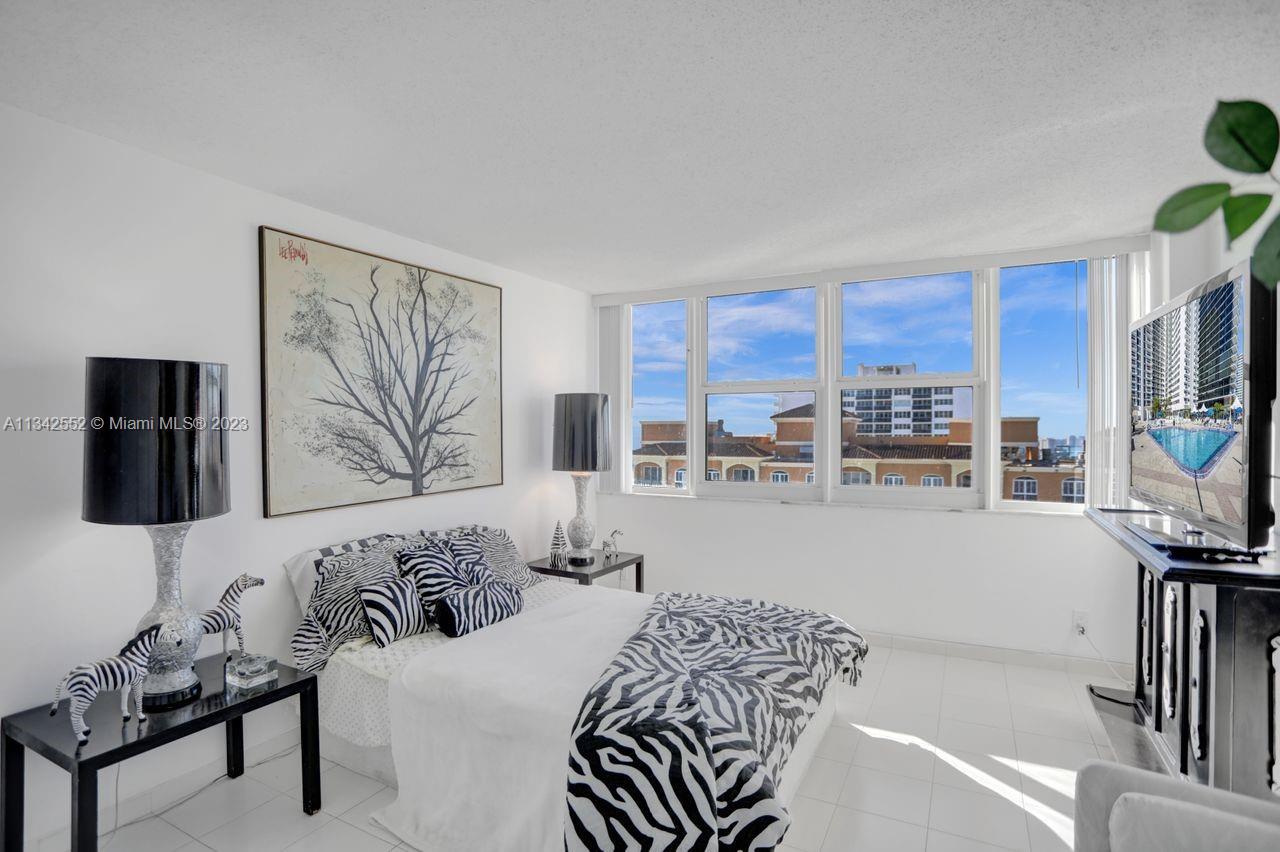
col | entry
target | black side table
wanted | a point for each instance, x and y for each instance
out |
(112, 741)
(585, 574)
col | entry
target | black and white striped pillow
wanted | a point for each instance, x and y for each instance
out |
(434, 571)
(499, 550)
(303, 569)
(468, 552)
(394, 610)
(504, 559)
(465, 610)
(334, 614)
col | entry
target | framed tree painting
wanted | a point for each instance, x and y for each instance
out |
(380, 379)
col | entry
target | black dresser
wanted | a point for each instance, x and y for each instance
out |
(1207, 663)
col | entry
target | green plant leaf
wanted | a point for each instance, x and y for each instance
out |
(1266, 255)
(1243, 135)
(1241, 211)
(1187, 208)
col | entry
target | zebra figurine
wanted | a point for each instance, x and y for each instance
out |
(610, 546)
(226, 615)
(124, 672)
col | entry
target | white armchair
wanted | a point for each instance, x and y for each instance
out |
(1122, 809)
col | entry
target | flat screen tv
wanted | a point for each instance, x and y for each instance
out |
(1202, 380)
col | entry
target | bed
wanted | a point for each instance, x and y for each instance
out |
(473, 768)
(592, 718)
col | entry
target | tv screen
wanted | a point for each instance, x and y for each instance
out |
(1202, 379)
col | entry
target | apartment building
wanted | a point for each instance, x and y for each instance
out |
(924, 461)
(899, 411)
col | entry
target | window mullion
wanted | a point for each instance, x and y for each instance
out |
(833, 388)
(626, 482)
(696, 407)
(987, 432)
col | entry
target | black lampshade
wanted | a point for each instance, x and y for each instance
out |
(146, 459)
(581, 441)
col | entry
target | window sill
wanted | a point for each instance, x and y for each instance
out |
(1076, 511)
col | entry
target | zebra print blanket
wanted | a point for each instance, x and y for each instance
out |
(680, 743)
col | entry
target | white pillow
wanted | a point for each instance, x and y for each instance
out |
(301, 569)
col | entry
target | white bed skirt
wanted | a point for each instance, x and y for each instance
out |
(373, 761)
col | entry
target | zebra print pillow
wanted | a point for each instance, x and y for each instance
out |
(504, 559)
(461, 612)
(394, 610)
(499, 551)
(434, 571)
(335, 614)
(303, 568)
(469, 553)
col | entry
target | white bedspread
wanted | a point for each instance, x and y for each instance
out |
(481, 725)
(353, 686)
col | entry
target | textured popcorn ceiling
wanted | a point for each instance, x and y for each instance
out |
(614, 146)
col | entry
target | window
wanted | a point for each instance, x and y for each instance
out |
(1026, 488)
(1043, 377)
(762, 336)
(658, 389)
(748, 430)
(902, 326)
(648, 474)
(1073, 490)
(921, 426)
(963, 388)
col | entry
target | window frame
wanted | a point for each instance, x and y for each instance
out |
(1111, 263)
(1099, 276)
(701, 391)
(644, 482)
(625, 454)
(1072, 480)
(1031, 495)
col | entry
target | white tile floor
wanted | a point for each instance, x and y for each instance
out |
(927, 753)
(949, 755)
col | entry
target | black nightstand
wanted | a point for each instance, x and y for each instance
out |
(113, 741)
(585, 574)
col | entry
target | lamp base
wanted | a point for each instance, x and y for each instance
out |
(156, 702)
(171, 677)
(581, 531)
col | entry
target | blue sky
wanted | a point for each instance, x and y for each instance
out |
(925, 319)
(658, 363)
(1039, 329)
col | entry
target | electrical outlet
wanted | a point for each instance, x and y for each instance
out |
(1079, 622)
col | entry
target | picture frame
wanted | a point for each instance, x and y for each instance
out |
(380, 378)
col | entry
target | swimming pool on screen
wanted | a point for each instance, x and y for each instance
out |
(1194, 451)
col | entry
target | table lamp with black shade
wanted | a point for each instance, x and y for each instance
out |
(580, 445)
(155, 455)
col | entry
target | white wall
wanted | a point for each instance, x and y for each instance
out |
(1003, 579)
(111, 251)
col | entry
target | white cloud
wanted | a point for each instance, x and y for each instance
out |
(925, 311)
(659, 366)
(1048, 402)
(737, 326)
